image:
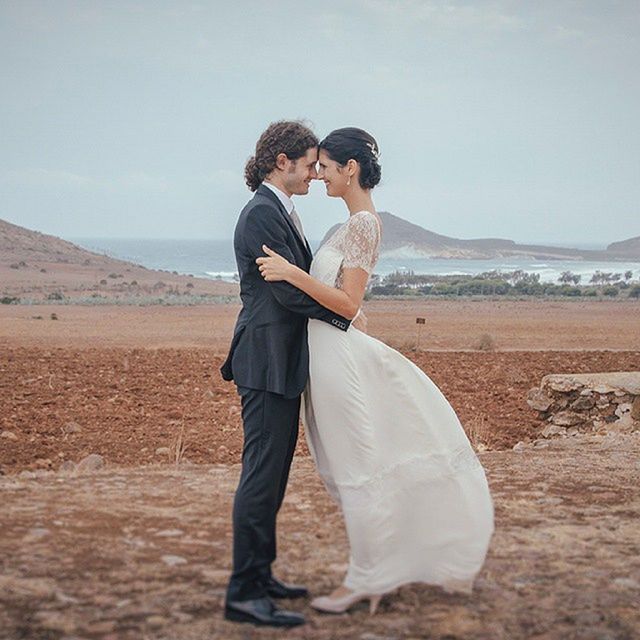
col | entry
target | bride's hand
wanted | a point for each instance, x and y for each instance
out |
(274, 268)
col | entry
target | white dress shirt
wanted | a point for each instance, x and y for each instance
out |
(287, 202)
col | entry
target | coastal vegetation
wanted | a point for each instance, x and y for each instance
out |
(505, 283)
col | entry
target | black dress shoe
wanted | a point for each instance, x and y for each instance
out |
(261, 611)
(277, 589)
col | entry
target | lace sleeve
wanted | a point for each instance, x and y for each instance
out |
(362, 241)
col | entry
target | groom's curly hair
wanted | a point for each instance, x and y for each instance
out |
(292, 138)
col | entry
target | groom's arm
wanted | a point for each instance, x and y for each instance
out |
(264, 225)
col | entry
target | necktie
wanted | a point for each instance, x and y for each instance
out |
(295, 218)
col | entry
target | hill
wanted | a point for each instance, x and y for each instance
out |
(36, 266)
(404, 239)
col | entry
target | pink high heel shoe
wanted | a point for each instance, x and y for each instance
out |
(327, 604)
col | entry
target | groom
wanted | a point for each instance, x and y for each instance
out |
(269, 362)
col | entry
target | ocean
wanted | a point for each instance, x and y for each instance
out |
(214, 259)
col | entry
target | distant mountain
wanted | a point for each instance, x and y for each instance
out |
(630, 247)
(403, 239)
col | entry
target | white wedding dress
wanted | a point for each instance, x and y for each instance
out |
(389, 447)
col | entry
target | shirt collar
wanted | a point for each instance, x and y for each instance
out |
(287, 203)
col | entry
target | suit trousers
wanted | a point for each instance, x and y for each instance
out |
(270, 424)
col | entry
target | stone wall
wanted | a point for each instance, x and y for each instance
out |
(588, 402)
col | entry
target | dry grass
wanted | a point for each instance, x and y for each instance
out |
(179, 446)
(485, 343)
(479, 432)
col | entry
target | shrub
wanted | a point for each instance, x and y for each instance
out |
(634, 292)
(566, 290)
(485, 343)
(9, 300)
(610, 291)
(56, 295)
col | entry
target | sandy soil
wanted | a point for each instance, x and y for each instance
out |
(450, 325)
(131, 554)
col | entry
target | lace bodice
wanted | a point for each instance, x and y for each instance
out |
(355, 244)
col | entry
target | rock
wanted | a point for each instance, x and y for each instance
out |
(33, 535)
(561, 383)
(55, 621)
(627, 583)
(173, 561)
(90, 463)
(27, 475)
(72, 427)
(603, 389)
(635, 409)
(521, 446)
(9, 435)
(623, 409)
(586, 392)
(573, 431)
(100, 627)
(169, 533)
(43, 463)
(67, 468)
(624, 425)
(540, 444)
(553, 430)
(537, 399)
(13, 588)
(583, 403)
(216, 576)
(156, 621)
(163, 451)
(567, 419)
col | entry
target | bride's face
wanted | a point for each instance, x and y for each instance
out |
(334, 176)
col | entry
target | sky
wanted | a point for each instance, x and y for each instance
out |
(494, 119)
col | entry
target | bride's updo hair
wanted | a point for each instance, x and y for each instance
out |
(350, 143)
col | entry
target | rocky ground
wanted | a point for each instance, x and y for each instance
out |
(133, 406)
(130, 553)
(140, 547)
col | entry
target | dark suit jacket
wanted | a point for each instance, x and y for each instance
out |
(269, 348)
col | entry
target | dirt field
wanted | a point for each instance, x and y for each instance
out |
(62, 403)
(133, 554)
(451, 325)
(141, 550)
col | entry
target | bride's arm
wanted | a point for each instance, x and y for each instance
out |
(345, 301)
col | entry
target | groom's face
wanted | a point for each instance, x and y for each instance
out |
(301, 172)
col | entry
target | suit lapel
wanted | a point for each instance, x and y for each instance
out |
(265, 191)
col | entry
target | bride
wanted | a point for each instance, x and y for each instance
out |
(387, 444)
